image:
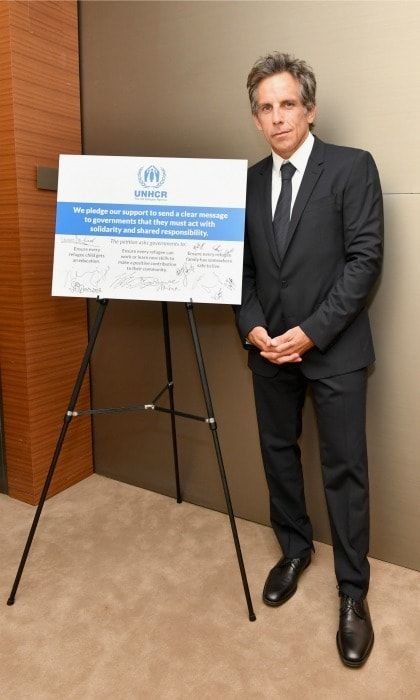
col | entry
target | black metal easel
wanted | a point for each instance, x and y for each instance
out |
(210, 420)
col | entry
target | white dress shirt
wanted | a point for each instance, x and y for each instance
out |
(300, 160)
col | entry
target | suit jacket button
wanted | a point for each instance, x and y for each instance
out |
(284, 284)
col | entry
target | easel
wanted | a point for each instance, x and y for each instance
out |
(169, 387)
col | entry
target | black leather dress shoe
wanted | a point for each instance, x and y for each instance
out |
(355, 633)
(282, 580)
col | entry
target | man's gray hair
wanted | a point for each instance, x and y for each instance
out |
(277, 62)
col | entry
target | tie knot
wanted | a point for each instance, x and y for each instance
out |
(287, 171)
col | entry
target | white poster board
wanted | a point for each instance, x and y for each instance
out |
(165, 229)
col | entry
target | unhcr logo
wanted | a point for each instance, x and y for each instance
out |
(151, 177)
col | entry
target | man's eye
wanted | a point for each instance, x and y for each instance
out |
(290, 104)
(265, 109)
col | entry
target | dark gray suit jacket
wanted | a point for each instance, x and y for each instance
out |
(333, 257)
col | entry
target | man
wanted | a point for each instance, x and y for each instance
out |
(313, 250)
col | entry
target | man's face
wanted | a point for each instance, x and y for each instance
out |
(281, 116)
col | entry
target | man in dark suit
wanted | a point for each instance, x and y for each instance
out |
(313, 251)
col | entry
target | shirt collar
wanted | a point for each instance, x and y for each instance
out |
(299, 158)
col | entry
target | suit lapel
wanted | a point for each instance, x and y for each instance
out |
(311, 175)
(266, 173)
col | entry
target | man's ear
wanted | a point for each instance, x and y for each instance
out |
(257, 122)
(311, 114)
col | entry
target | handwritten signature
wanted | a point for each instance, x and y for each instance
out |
(86, 281)
(131, 280)
(79, 240)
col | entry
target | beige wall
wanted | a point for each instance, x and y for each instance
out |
(167, 78)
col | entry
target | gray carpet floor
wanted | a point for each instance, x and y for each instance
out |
(127, 594)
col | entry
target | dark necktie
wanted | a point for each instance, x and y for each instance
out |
(282, 214)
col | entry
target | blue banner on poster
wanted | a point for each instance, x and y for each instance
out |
(200, 223)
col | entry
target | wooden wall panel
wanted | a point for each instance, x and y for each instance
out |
(42, 338)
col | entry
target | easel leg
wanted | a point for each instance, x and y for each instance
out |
(168, 358)
(213, 428)
(66, 422)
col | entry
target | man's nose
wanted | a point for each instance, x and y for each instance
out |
(277, 114)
